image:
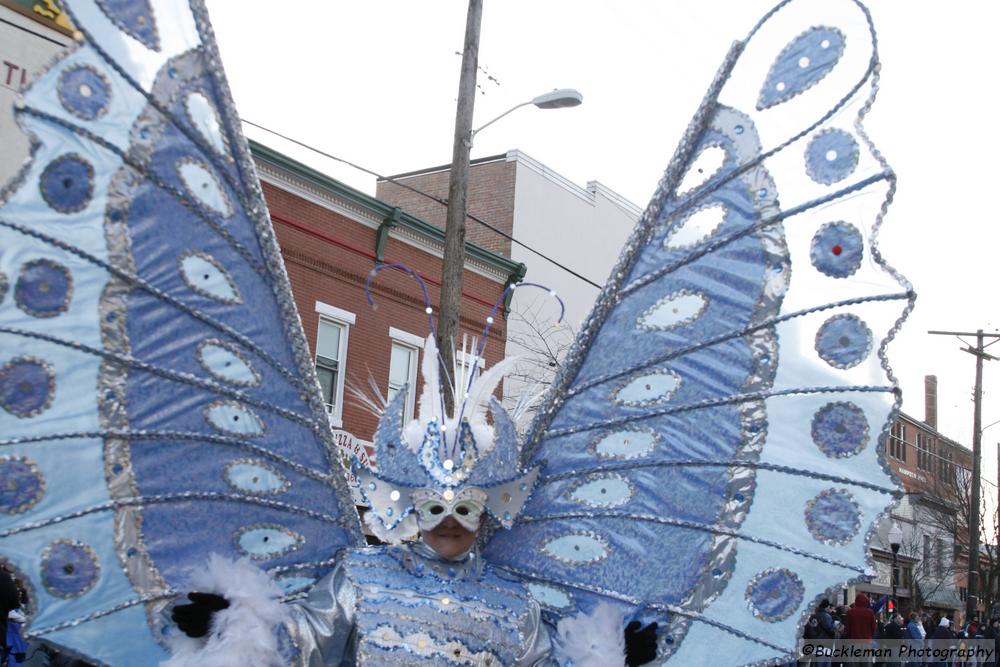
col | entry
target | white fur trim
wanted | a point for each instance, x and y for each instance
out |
(594, 640)
(243, 634)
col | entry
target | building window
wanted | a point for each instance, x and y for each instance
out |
(403, 375)
(464, 363)
(897, 441)
(924, 452)
(946, 469)
(927, 555)
(941, 548)
(904, 576)
(331, 357)
(963, 592)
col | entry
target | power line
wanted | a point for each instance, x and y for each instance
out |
(442, 202)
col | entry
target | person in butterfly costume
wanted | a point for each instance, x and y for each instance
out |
(141, 261)
(413, 601)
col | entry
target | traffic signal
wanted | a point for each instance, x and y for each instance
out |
(891, 607)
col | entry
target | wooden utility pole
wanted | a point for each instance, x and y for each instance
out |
(972, 597)
(453, 264)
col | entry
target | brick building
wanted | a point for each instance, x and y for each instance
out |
(331, 237)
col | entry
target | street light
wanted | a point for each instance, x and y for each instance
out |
(561, 98)
(453, 262)
(895, 538)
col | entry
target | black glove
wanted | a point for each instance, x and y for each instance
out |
(640, 643)
(194, 619)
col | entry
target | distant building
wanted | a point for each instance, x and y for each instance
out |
(582, 228)
(934, 470)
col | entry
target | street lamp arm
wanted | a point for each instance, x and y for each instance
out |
(472, 135)
(560, 98)
(988, 425)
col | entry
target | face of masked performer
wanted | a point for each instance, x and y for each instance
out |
(449, 528)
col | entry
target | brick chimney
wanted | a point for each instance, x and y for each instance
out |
(930, 401)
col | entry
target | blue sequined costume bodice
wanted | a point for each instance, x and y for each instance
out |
(403, 605)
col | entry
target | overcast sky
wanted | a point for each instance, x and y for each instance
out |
(375, 82)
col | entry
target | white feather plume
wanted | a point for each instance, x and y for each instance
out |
(594, 640)
(482, 389)
(429, 406)
(244, 633)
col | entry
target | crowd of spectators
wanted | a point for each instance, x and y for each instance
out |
(866, 622)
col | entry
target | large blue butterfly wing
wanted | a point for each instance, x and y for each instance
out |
(158, 396)
(712, 450)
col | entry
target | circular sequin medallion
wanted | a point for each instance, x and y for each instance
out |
(21, 484)
(837, 249)
(831, 156)
(67, 183)
(775, 594)
(27, 386)
(44, 288)
(840, 429)
(833, 517)
(843, 341)
(69, 568)
(84, 92)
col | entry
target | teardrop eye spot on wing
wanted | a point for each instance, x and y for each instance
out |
(803, 63)
(605, 491)
(203, 274)
(705, 166)
(225, 361)
(255, 477)
(697, 226)
(205, 119)
(550, 597)
(266, 541)
(676, 310)
(232, 418)
(581, 548)
(625, 444)
(135, 18)
(202, 184)
(647, 389)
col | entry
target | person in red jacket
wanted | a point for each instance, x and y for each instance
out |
(860, 619)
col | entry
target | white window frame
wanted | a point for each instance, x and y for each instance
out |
(897, 441)
(415, 344)
(344, 319)
(466, 359)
